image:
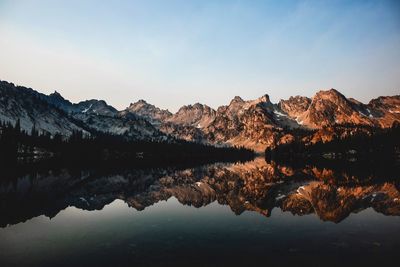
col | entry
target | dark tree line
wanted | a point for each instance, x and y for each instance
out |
(21, 147)
(379, 143)
(375, 152)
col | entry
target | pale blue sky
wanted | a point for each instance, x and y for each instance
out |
(173, 53)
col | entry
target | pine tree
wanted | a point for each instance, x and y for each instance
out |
(17, 127)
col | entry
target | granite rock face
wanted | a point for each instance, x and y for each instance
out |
(255, 124)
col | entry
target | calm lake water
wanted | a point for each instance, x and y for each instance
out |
(247, 214)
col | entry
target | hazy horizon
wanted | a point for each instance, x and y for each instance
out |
(174, 53)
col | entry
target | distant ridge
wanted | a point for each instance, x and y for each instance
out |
(254, 124)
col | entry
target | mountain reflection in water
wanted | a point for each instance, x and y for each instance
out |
(255, 186)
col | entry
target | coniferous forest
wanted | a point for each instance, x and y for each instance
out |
(21, 148)
(372, 152)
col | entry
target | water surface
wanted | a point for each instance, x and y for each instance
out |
(219, 215)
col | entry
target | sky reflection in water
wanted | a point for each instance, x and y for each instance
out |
(170, 233)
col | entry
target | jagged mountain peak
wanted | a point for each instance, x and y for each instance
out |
(140, 102)
(330, 107)
(238, 105)
(148, 111)
(197, 115)
(196, 105)
(99, 107)
(199, 105)
(265, 98)
(386, 109)
(295, 106)
(58, 100)
(330, 94)
(237, 99)
(264, 101)
(332, 91)
(385, 99)
(95, 106)
(56, 94)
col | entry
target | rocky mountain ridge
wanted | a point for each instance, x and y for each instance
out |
(53, 114)
(255, 124)
(259, 123)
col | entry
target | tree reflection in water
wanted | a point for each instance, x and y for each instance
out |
(252, 186)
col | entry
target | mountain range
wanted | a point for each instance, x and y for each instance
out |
(255, 124)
